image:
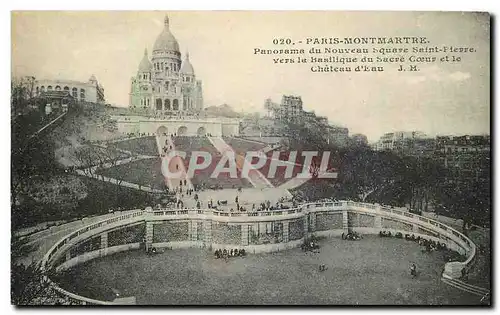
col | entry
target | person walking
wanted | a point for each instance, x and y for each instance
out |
(413, 270)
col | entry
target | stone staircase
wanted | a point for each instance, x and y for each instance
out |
(172, 183)
(255, 177)
(482, 292)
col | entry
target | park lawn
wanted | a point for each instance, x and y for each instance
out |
(370, 271)
(143, 146)
(145, 172)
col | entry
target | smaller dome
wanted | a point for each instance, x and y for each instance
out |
(92, 78)
(145, 65)
(187, 67)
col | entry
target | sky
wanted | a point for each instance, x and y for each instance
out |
(440, 99)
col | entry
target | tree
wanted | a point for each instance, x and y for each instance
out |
(27, 282)
(21, 93)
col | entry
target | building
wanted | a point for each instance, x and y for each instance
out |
(290, 109)
(308, 116)
(322, 120)
(465, 156)
(90, 91)
(419, 147)
(338, 136)
(165, 84)
(272, 109)
(55, 100)
(180, 126)
(398, 141)
(166, 97)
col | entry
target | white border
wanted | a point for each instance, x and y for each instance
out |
(423, 5)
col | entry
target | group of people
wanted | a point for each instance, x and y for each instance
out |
(309, 246)
(139, 134)
(266, 206)
(224, 253)
(352, 236)
(152, 250)
(188, 191)
(385, 233)
(430, 245)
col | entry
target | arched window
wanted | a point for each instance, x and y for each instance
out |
(176, 104)
(58, 88)
(37, 90)
(74, 92)
(167, 104)
(66, 88)
(42, 88)
(82, 94)
(147, 102)
(158, 104)
(49, 88)
(182, 131)
(184, 104)
(142, 102)
(201, 131)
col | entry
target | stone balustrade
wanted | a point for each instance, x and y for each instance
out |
(209, 228)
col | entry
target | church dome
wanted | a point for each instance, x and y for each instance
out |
(187, 67)
(145, 65)
(166, 40)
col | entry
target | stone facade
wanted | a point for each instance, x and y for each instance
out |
(165, 84)
(90, 91)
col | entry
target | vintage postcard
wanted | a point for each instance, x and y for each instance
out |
(250, 158)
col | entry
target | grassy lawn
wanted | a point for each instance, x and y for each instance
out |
(371, 271)
(144, 146)
(101, 196)
(146, 172)
(242, 146)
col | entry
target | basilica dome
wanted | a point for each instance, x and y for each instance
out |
(166, 40)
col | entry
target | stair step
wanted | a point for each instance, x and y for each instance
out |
(466, 287)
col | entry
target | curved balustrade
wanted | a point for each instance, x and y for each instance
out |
(452, 269)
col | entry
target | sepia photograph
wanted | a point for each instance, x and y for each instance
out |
(178, 158)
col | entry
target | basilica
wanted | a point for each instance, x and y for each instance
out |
(166, 84)
(165, 96)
